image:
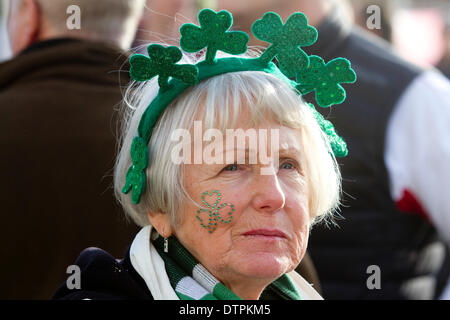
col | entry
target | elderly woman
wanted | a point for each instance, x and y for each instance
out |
(219, 220)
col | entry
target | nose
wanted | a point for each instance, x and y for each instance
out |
(268, 195)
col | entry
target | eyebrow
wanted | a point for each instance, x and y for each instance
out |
(281, 149)
(282, 152)
(290, 150)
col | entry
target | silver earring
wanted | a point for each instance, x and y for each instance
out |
(166, 245)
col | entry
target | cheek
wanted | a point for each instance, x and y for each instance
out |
(300, 221)
(301, 241)
(297, 204)
(204, 231)
(207, 248)
(215, 211)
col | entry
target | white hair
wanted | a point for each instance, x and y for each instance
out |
(219, 101)
(113, 21)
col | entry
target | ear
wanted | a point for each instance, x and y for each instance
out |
(24, 25)
(34, 20)
(161, 222)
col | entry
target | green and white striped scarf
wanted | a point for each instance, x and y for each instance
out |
(191, 281)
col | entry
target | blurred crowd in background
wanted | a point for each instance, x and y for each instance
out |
(418, 31)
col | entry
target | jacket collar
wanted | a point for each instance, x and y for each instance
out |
(47, 44)
(62, 59)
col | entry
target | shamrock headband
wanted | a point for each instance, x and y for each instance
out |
(311, 73)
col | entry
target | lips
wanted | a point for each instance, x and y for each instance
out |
(272, 233)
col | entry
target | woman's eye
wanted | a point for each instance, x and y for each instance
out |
(231, 167)
(288, 165)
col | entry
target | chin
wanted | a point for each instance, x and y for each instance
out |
(265, 265)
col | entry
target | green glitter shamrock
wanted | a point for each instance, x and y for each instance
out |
(325, 79)
(135, 178)
(338, 144)
(286, 40)
(213, 34)
(162, 62)
(213, 211)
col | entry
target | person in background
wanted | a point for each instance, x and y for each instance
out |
(363, 9)
(444, 63)
(57, 99)
(161, 21)
(396, 218)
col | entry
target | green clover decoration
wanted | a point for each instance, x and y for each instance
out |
(213, 34)
(325, 79)
(213, 211)
(135, 178)
(286, 40)
(161, 62)
(338, 145)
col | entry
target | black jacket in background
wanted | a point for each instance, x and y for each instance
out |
(373, 232)
(57, 138)
(105, 278)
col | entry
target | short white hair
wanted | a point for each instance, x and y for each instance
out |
(113, 21)
(219, 101)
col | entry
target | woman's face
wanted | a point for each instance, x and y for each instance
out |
(268, 233)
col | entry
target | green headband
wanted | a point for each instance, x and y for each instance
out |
(311, 73)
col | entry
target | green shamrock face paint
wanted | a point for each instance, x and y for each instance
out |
(212, 209)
